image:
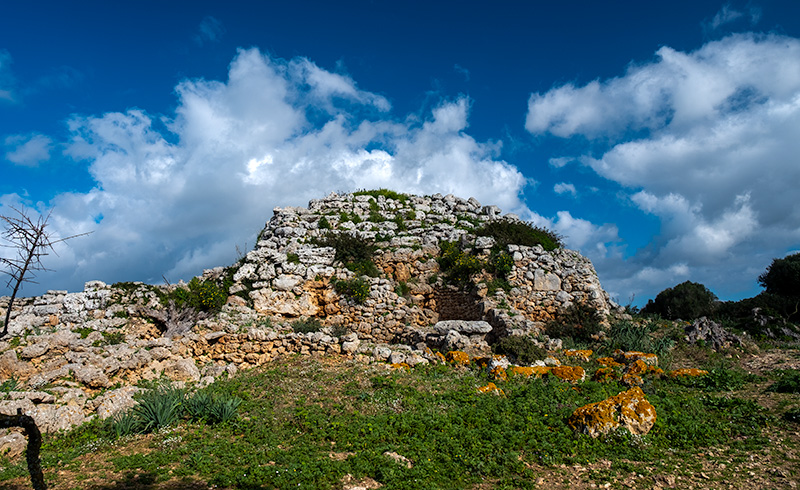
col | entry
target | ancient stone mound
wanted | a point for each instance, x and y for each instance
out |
(291, 273)
(363, 274)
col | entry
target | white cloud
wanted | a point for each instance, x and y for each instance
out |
(714, 155)
(175, 201)
(28, 150)
(565, 188)
(7, 82)
(210, 30)
(728, 14)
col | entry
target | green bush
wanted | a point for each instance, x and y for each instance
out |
(458, 265)
(501, 263)
(388, 194)
(520, 349)
(782, 277)
(788, 383)
(511, 232)
(202, 295)
(356, 289)
(292, 258)
(580, 322)
(353, 251)
(307, 325)
(324, 224)
(686, 301)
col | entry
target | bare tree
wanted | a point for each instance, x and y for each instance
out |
(31, 240)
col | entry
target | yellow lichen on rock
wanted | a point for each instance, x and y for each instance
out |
(499, 373)
(583, 355)
(629, 410)
(457, 357)
(609, 362)
(632, 356)
(491, 388)
(528, 371)
(572, 374)
(401, 365)
(604, 375)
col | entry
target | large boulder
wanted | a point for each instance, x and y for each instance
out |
(628, 410)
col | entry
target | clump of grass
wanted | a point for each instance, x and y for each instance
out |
(580, 322)
(353, 251)
(629, 336)
(307, 325)
(357, 289)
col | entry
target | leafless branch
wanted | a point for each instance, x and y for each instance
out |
(32, 242)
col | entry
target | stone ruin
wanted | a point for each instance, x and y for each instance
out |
(67, 354)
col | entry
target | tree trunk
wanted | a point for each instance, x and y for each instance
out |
(34, 444)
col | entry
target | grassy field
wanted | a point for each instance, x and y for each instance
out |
(334, 423)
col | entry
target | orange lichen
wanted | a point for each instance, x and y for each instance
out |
(491, 388)
(609, 362)
(499, 373)
(636, 367)
(604, 374)
(457, 357)
(441, 357)
(632, 380)
(572, 374)
(632, 356)
(583, 355)
(686, 372)
(528, 371)
(400, 365)
(629, 409)
(482, 362)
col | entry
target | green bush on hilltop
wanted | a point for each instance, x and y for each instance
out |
(511, 232)
(686, 301)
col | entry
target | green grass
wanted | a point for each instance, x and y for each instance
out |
(297, 412)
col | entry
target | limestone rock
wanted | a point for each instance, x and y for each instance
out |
(115, 401)
(91, 376)
(182, 370)
(12, 444)
(629, 410)
(462, 327)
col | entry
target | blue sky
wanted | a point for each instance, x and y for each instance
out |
(661, 138)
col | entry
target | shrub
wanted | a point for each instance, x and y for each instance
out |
(458, 265)
(782, 277)
(356, 289)
(388, 194)
(353, 251)
(292, 258)
(204, 295)
(788, 383)
(511, 232)
(324, 224)
(520, 348)
(400, 222)
(501, 263)
(687, 301)
(307, 325)
(580, 322)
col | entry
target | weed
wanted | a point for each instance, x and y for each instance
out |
(629, 336)
(10, 384)
(307, 325)
(323, 223)
(580, 322)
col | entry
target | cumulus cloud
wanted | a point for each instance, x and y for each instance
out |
(707, 141)
(210, 30)
(28, 150)
(7, 82)
(565, 188)
(275, 133)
